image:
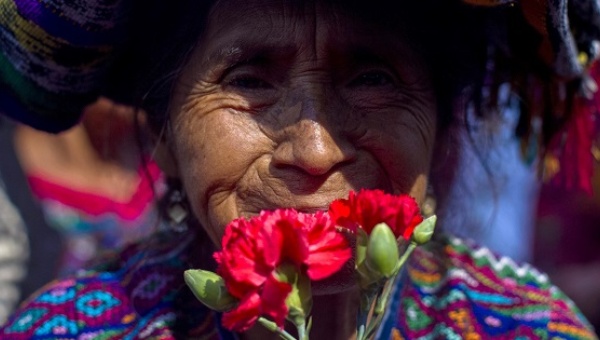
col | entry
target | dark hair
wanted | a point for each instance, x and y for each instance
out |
(161, 36)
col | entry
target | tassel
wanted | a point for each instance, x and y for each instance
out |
(573, 147)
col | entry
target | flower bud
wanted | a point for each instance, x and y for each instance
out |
(424, 230)
(209, 288)
(382, 251)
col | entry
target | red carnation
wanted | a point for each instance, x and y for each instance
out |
(328, 249)
(252, 250)
(371, 207)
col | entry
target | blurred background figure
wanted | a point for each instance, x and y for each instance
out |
(493, 197)
(555, 228)
(14, 253)
(95, 184)
(66, 198)
(27, 246)
(567, 243)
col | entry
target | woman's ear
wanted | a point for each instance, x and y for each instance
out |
(163, 156)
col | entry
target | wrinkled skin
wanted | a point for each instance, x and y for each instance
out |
(289, 104)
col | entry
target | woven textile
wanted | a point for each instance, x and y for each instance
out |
(54, 56)
(92, 223)
(474, 294)
(466, 293)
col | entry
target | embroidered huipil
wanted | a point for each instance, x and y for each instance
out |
(451, 290)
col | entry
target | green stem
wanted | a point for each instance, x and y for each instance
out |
(404, 257)
(383, 298)
(373, 325)
(272, 326)
(361, 322)
(302, 331)
(361, 332)
(366, 300)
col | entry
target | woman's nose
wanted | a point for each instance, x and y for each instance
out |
(309, 146)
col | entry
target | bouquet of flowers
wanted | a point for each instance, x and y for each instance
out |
(267, 263)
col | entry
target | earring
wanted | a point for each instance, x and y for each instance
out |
(429, 204)
(177, 210)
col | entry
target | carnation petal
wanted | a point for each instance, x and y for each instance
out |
(244, 315)
(269, 240)
(295, 244)
(240, 265)
(340, 213)
(371, 207)
(273, 299)
(324, 264)
(339, 208)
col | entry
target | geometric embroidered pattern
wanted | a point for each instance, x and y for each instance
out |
(58, 296)
(452, 290)
(57, 325)
(25, 321)
(150, 287)
(95, 303)
(462, 291)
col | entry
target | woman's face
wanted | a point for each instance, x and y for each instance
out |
(294, 104)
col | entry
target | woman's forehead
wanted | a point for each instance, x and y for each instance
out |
(284, 27)
(286, 17)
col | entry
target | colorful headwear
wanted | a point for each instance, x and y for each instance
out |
(54, 56)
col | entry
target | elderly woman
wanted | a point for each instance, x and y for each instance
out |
(259, 105)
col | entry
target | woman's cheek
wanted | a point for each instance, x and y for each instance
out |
(215, 151)
(402, 147)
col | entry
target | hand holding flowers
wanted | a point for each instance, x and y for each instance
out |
(267, 263)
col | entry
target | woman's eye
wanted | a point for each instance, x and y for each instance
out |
(372, 78)
(249, 83)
